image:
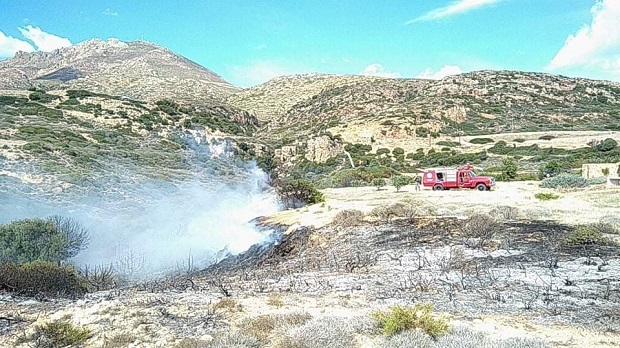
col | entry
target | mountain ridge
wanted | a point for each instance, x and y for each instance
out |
(137, 69)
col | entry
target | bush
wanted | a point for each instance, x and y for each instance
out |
(298, 193)
(41, 278)
(262, 326)
(419, 316)
(547, 137)
(55, 239)
(401, 180)
(607, 145)
(564, 181)
(327, 331)
(346, 218)
(519, 140)
(398, 151)
(378, 183)
(508, 169)
(481, 141)
(57, 334)
(506, 212)
(480, 228)
(584, 235)
(448, 143)
(546, 196)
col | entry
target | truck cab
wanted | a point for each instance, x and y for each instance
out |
(448, 178)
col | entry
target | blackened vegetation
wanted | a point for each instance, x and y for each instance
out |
(517, 267)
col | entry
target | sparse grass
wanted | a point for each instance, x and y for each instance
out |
(119, 340)
(420, 316)
(228, 304)
(546, 196)
(262, 326)
(275, 300)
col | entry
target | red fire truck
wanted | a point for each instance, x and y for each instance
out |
(449, 178)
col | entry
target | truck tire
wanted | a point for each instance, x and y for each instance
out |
(438, 187)
(481, 187)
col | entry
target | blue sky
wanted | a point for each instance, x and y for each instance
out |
(249, 42)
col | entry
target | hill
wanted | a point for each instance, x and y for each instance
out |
(138, 69)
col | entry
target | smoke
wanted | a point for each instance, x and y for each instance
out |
(145, 226)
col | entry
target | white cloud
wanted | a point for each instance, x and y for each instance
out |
(459, 6)
(595, 46)
(378, 70)
(447, 70)
(259, 72)
(10, 45)
(44, 41)
(109, 12)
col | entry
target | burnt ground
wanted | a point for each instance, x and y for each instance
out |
(525, 269)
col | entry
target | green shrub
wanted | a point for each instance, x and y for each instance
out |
(519, 140)
(597, 181)
(564, 181)
(298, 193)
(547, 137)
(382, 151)
(584, 235)
(508, 169)
(419, 316)
(401, 180)
(607, 145)
(398, 151)
(378, 183)
(57, 334)
(448, 143)
(41, 278)
(54, 239)
(546, 196)
(481, 141)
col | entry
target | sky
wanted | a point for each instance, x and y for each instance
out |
(249, 42)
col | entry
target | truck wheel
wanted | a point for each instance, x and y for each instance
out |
(438, 187)
(481, 187)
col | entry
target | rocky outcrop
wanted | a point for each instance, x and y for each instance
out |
(322, 148)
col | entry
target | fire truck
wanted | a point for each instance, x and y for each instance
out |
(452, 178)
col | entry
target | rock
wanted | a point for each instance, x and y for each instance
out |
(322, 148)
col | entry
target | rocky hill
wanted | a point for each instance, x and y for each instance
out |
(480, 102)
(138, 69)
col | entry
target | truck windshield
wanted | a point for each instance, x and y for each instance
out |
(472, 174)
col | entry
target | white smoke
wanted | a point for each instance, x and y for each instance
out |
(145, 226)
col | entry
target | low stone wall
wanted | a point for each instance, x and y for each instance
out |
(595, 170)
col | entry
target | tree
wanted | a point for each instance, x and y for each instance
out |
(298, 193)
(401, 180)
(54, 239)
(508, 169)
(75, 233)
(378, 182)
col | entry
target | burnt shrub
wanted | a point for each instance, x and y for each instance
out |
(479, 230)
(352, 217)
